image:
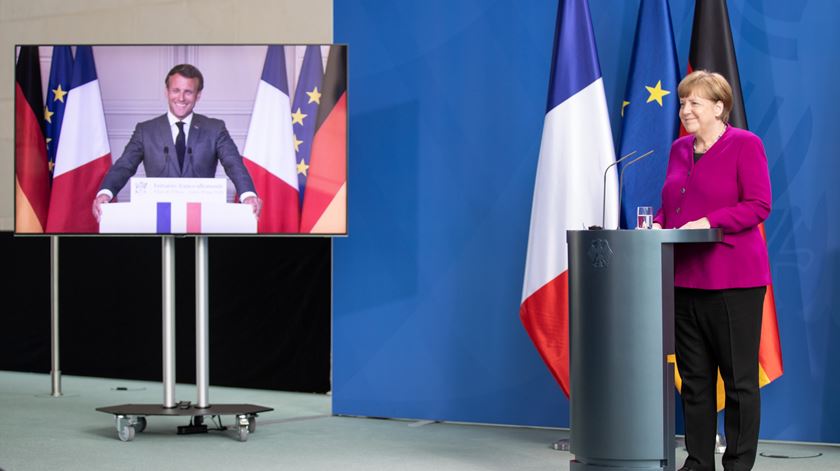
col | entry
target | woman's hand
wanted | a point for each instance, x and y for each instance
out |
(656, 225)
(702, 223)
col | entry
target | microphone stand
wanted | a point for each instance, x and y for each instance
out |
(604, 197)
(621, 176)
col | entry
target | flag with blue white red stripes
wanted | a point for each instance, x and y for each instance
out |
(269, 152)
(576, 147)
(83, 155)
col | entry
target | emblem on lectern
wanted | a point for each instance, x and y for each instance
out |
(600, 253)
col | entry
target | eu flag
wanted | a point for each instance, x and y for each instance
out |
(650, 109)
(61, 69)
(305, 111)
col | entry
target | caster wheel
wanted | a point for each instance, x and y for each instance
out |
(252, 424)
(140, 425)
(243, 434)
(126, 433)
(125, 428)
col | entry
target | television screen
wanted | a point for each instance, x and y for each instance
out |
(181, 139)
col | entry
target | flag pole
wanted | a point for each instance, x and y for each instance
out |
(55, 370)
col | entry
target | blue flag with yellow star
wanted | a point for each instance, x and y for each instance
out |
(61, 69)
(649, 111)
(305, 111)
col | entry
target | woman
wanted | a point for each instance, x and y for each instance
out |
(717, 178)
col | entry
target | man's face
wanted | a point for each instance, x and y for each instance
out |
(182, 94)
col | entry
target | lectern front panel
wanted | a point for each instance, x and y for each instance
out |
(621, 333)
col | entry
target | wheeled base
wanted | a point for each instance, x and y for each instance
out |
(130, 419)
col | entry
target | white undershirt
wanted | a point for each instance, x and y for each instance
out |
(173, 121)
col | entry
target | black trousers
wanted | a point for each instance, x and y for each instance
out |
(719, 329)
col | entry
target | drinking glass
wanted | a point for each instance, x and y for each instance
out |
(644, 217)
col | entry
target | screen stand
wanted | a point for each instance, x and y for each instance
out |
(202, 330)
(55, 370)
(130, 419)
(168, 277)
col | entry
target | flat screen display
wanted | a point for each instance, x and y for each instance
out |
(181, 139)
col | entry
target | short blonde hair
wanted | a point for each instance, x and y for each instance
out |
(709, 85)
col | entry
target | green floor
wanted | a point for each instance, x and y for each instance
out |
(39, 432)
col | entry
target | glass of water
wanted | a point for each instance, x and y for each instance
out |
(644, 217)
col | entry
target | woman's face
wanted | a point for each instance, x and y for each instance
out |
(699, 114)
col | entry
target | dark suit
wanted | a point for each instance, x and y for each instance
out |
(207, 144)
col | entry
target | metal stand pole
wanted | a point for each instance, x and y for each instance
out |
(168, 264)
(202, 302)
(55, 370)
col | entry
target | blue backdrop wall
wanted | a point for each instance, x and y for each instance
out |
(447, 100)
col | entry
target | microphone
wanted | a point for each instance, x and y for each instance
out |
(621, 176)
(189, 153)
(165, 158)
(604, 198)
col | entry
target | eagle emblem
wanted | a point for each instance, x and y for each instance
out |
(600, 253)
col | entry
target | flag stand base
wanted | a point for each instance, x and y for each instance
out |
(561, 445)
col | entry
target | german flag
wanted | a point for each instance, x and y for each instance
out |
(325, 200)
(712, 49)
(32, 193)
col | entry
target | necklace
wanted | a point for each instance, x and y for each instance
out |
(713, 142)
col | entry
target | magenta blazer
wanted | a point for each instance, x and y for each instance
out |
(730, 185)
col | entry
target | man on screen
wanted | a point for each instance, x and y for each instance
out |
(179, 143)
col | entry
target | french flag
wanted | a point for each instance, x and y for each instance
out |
(576, 147)
(84, 154)
(189, 221)
(269, 148)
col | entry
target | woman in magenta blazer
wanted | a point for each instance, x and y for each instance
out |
(717, 177)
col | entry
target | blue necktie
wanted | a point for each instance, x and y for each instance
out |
(180, 144)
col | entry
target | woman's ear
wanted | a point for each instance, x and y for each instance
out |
(718, 109)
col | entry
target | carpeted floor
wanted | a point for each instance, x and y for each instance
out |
(40, 432)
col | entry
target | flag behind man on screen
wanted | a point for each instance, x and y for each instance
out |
(325, 200)
(305, 111)
(83, 156)
(61, 72)
(32, 191)
(269, 153)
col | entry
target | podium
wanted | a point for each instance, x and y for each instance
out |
(621, 331)
(177, 206)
